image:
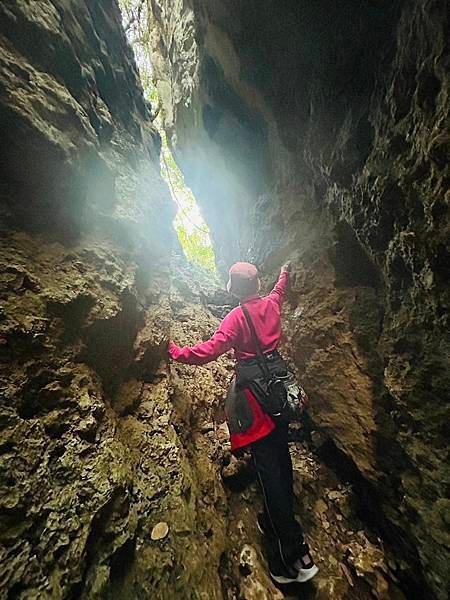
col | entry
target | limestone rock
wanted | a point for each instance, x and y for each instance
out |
(160, 531)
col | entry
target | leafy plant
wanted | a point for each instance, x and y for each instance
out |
(196, 248)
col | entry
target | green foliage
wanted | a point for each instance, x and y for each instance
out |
(189, 225)
(135, 19)
(195, 248)
(171, 172)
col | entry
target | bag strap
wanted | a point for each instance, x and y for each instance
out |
(262, 363)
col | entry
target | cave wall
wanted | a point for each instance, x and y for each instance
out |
(346, 176)
(100, 441)
(92, 452)
(318, 132)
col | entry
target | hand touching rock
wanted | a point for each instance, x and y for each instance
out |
(287, 267)
(170, 347)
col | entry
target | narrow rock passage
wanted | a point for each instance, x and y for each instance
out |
(316, 132)
(217, 525)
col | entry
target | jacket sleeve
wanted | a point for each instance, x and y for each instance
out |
(279, 290)
(205, 352)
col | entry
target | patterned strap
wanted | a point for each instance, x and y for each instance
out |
(259, 352)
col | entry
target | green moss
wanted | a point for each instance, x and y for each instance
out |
(27, 310)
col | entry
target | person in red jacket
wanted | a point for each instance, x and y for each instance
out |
(288, 555)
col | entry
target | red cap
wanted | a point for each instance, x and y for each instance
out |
(244, 270)
(243, 279)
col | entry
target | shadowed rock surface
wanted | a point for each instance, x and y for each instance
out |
(314, 131)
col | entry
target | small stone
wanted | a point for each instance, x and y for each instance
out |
(160, 531)
(247, 559)
(320, 507)
(223, 433)
(334, 495)
(206, 427)
(347, 574)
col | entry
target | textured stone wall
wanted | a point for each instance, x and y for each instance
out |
(318, 131)
(99, 440)
(88, 461)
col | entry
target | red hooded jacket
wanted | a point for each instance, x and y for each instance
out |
(234, 333)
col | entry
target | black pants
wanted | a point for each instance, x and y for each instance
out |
(284, 536)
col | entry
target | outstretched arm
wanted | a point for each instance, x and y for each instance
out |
(204, 352)
(279, 289)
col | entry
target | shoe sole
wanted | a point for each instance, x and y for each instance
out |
(303, 576)
(307, 574)
(283, 580)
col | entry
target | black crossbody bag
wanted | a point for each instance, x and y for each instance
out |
(281, 397)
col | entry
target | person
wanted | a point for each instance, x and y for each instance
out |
(288, 555)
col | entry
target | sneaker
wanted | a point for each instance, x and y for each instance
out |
(286, 576)
(306, 568)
